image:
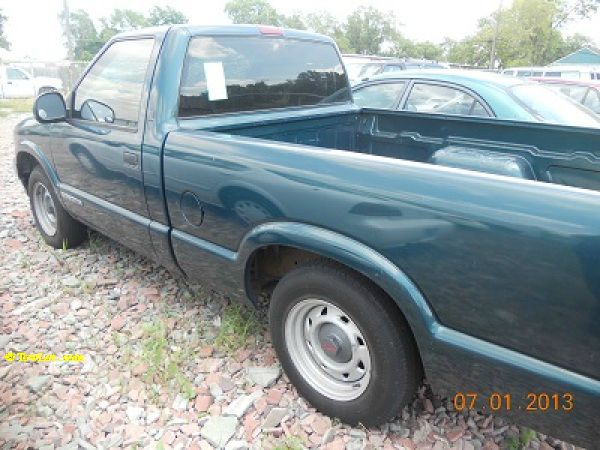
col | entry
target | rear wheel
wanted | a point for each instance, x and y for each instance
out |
(343, 344)
(55, 224)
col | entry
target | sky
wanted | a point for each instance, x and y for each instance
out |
(34, 31)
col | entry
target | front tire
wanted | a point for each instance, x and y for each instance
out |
(55, 224)
(343, 344)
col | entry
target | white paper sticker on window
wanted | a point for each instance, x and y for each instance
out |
(215, 81)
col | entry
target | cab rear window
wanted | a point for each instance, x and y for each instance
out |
(230, 74)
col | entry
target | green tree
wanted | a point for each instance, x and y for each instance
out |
(323, 22)
(3, 41)
(294, 21)
(166, 16)
(575, 42)
(529, 33)
(367, 28)
(252, 11)
(403, 47)
(121, 20)
(84, 40)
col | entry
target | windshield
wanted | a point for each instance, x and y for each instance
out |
(549, 106)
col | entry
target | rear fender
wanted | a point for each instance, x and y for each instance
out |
(352, 254)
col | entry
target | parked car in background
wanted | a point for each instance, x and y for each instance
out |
(362, 67)
(585, 92)
(470, 93)
(18, 83)
(562, 71)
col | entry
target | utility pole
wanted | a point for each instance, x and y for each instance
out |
(70, 46)
(495, 39)
(68, 35)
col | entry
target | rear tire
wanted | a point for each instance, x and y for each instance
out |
(343, 344)
(55, 224)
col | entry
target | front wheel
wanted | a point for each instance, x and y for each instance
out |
(343, 344)
(55, 224)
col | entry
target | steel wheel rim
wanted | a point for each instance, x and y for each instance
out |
(44, 209)
(328, 349)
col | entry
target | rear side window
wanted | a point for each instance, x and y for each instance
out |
(431, 98)
(230, 74)
(381, 96)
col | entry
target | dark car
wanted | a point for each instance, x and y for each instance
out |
(471, 93)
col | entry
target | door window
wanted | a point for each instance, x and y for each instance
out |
(432, 98)
(381, 96)
(15, 74)
(111, 91)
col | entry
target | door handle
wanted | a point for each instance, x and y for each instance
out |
(130, 159)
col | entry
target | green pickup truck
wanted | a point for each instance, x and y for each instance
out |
(387, 245)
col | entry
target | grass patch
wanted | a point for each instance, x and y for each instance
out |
(15, 105)
(289, 443)
(522, 441)
(164, 364)
(237, 325)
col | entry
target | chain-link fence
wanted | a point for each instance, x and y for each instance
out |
(67, 71)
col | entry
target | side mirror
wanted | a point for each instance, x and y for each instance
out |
(97, 111)
(50, 107)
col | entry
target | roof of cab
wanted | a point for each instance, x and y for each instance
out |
(232, 30)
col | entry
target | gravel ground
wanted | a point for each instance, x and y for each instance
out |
(165, 364)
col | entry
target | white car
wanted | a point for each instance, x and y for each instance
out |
(18, 83)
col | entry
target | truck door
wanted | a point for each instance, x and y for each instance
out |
(19, 84)
(97, 152)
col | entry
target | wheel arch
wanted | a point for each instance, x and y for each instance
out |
(298, 243)
(28, 156)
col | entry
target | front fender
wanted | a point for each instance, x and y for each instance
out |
(30, 148)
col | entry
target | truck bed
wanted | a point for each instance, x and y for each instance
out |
(570, 156)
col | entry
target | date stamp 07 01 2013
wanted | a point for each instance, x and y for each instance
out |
(532, 402)
(41, 357)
